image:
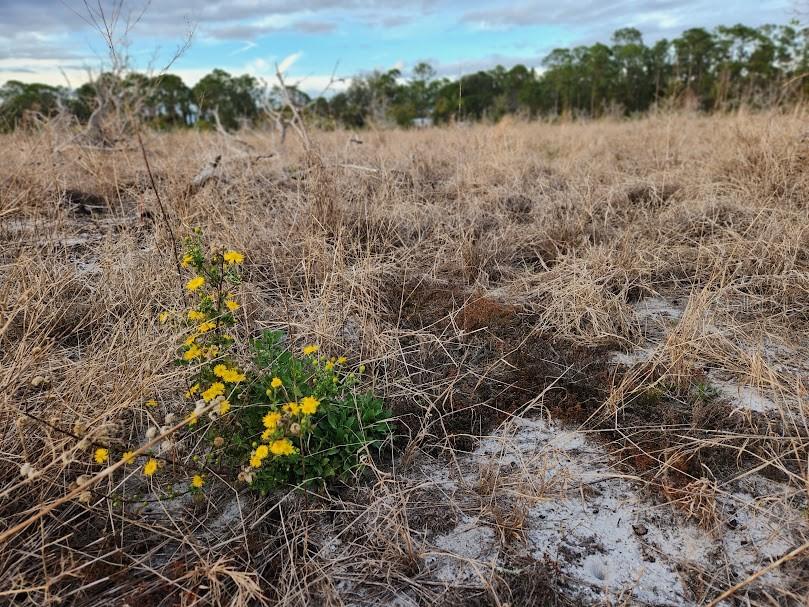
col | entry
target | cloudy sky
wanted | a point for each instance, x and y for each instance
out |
(51, 40)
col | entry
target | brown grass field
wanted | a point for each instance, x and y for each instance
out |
(593, 337)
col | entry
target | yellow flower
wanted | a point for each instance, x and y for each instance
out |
(271, 420)
(163, 317)
(211, 351)
(191, 339)
(233, 376)
(310, 349)
(342, 360)
(233, 257)
(128, 457)
(282, 446)
(192, 352)
(261, 452)
(206, 326)
(309, 405)
(150, 467)
(216, 389)
(329, 366)
(197, 481)
(192, 419)
(195, 283)
(187, 259)
(151, 403)
(193, 389)
(101, 455)
(220, 370)
(224, 407)
(292, 408)
(232, 305)
(276, 382)
(195, 315)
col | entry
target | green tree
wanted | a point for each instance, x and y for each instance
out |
(171, 101)
(18, 98)
(234, 99)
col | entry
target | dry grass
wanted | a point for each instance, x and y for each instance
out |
(478, 272)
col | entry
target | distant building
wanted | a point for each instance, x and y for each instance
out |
(421, 122)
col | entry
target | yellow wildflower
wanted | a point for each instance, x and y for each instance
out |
(224, 407)
(292, 408)
(329, 366)
(128, 457)
(196, 315)
(232, 305)
(187, 259)
(233, 376)
(282, 446)
(261, 452)
(309, 405)
(342, 360)
(213, 391)
(195, 283)
(197, 481)
(151, 403)
(310, 349)
(163, 317)
(101, 455)
(211, 351)
(150, 467)
(206, 326)
(193, 418)
(191, 339)
(276, 382)
(271, 420)
(233, 257)
(192, 352)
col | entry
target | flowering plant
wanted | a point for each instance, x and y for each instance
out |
(281, 417)
(304, 419)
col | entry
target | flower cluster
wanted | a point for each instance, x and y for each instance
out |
(276, 415)
(216, 378)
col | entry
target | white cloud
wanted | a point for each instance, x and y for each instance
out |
(289, 61)
(247, 46)
(45, 71)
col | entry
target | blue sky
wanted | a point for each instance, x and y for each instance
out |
(54, 40)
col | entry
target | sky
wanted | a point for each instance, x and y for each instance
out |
(57, 41)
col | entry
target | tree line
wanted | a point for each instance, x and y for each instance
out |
(709, 70)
